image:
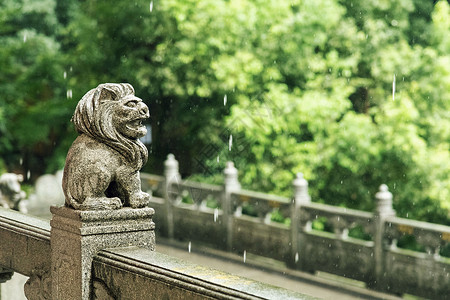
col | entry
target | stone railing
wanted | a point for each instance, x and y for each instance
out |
(109, 255)
(355, 244)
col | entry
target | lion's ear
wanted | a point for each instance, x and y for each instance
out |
(107, 94)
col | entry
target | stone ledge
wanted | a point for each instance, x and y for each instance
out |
(156, 275)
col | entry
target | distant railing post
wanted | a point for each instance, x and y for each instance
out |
(301, 197)
(172, 175)
(231, 184)
(383, 210)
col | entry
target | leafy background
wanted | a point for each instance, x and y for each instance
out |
(351, 93)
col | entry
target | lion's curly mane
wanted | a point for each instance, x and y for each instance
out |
(94, 117)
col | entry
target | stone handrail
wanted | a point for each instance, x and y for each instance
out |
(147, 274)
(28, 247)
(371, 256)
(25, 242)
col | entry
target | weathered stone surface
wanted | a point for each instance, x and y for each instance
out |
(24, 242)
(76, 236)
(152, 272)
(25, 249)
(103, 163)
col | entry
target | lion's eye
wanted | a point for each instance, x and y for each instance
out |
(131, 103)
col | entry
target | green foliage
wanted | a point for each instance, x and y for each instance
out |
(212, 202)
(33, 104)
(351, 93)
(353, 100)
(409, 242)
(358, 232)
(186, 197)
(277, 216)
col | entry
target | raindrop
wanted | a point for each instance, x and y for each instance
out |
(393, 89)
(189, 247)
(151, 6)
(218, 158)
(296, 256)
(28, 174)
(216, 214)
(24, 38)
(342, 182)
(245, 255)
(69, 94)
(65, 74)
(230, 142)
(21, 161)
(225, 100)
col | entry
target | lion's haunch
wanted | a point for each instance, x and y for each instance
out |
(103, 163)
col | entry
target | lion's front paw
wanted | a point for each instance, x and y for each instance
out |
(139, 200)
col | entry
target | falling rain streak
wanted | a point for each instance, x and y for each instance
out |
(151, 6)
(245, 255)
(189, 247)
(230, 142)
(225, 100)
(393, 89)
(216, 214)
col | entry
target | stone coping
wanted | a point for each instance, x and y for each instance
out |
(154, 265)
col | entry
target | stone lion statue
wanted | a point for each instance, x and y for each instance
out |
(103, 163)
(10, 192)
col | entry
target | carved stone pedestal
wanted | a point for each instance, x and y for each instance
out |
(77, 236)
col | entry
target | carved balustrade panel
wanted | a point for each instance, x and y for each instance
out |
(428, 237)
(340, 220)
(201, 195)
(267, 208)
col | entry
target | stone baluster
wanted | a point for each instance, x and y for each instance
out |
(231, 184)
(383, 211)
(301, 197)
(171, 175)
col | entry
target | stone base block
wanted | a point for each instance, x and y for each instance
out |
(76, 236)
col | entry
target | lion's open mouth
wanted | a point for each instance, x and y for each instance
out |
(136, 123)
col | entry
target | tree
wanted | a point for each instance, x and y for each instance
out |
(32, 94)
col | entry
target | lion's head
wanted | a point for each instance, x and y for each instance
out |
(112, 114)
